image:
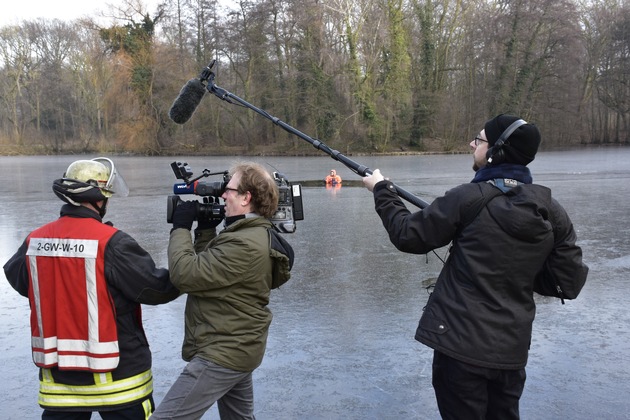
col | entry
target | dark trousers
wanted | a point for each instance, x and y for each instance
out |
(464, 391)
(140, 411)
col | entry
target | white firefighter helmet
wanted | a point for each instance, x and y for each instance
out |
(90, 181)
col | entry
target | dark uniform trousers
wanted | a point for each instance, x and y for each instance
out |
(467, 392)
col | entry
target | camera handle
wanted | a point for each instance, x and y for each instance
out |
(207, 173)
(355, 167)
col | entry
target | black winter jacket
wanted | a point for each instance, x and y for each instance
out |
(522, 241)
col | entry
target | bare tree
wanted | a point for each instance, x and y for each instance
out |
(18, 66)
(612, 81)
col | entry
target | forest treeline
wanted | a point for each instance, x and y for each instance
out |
(364, 76)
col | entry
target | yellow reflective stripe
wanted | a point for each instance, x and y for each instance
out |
(105, 392)
(106, 384)
(148, 408)
(46, 376)
(94, 400)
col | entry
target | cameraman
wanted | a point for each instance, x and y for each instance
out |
(510, 238)
(228, 278)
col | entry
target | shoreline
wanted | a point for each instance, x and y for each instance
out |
(314, 153)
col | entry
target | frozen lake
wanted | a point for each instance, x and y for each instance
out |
(341, 343)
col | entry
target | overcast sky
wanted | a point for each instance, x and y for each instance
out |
(14, 11)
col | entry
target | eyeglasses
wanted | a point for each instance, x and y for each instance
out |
(479, 139)
(232, 189)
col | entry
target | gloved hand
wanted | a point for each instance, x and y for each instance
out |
(371, 180)
(184, 214)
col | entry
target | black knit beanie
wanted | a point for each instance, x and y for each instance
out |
(521, 147)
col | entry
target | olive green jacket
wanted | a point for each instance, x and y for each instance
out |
(228, 278)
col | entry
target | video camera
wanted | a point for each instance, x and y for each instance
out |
(289, 209)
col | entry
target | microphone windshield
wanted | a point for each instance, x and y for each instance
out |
(187, 101)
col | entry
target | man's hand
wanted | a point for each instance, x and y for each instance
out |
(371, 180)
(184, 215)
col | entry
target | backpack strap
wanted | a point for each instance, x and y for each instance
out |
(476, 209)
(282, 255)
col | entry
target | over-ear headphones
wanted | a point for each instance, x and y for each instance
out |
(496, 154)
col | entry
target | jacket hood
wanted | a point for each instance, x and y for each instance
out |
(524, 214)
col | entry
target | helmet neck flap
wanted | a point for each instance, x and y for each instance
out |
(76, 192)
(90, 181)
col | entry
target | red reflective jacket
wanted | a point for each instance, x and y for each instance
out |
(73, 322)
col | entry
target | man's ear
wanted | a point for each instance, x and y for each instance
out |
(247, 198)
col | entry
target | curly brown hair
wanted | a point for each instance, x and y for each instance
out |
(263, 188)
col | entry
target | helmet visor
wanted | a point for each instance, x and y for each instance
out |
(116, 183)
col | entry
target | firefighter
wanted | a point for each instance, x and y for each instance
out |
(85, 281)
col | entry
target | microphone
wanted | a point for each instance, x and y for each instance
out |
(187, 101)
